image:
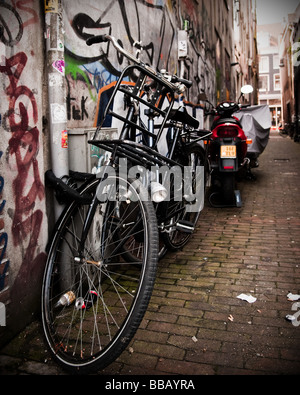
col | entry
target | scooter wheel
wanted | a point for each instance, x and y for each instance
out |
(228, 188)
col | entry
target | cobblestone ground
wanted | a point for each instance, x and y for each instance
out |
(195, 324)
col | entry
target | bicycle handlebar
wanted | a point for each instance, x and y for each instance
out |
(105, 38)
(172, 81)
(183, 81)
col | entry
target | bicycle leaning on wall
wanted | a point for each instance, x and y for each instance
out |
(103, 256)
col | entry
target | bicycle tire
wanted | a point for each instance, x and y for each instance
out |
(175, 238)
(86, 339)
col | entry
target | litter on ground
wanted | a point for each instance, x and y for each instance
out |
(293, 297)
(248, 298)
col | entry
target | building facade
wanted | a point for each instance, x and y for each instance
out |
(245, 62)
(269, 37)
(290, 74)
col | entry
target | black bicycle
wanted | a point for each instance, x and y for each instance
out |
(102, 258)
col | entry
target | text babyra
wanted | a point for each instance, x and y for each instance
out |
(152, 385)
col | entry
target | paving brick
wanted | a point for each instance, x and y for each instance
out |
(170, 328)
(184, 368)
(273, 365)
(138, 359)
(160, 350)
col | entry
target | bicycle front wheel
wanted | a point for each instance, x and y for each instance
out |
(94, 300)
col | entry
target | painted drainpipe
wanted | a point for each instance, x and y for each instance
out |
(54, 36)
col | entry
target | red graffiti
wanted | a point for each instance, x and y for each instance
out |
(14, 93)
(24, 145)
(21, 5)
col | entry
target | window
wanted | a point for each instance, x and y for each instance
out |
(264, 64)
(263, 83)
(277, 86)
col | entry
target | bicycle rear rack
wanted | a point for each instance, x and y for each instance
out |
(139, 154)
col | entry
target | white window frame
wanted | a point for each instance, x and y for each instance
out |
(268, 83)
(274, 76)
(276, 61)
(267, 68)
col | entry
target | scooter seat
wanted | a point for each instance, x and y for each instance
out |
(181, 115)
(226, 120)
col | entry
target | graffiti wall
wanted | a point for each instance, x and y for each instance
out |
(23, 224)
(154, 23)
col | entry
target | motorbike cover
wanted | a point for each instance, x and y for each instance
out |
(256, 123)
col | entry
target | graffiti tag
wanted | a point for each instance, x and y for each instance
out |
(23, 146)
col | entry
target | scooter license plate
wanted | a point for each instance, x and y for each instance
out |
(228, 151)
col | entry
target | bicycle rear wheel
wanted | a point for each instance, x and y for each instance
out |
(182, 218)
(108, 294)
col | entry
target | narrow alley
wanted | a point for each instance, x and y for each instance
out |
(195, 324)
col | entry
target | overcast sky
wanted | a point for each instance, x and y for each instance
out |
(273, 11)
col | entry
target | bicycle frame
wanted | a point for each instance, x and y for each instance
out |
(123, 147)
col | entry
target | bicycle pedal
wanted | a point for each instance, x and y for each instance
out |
(185, 226)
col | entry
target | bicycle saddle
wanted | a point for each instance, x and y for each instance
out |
(181, 115)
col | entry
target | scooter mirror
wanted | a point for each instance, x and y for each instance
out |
(246, 89)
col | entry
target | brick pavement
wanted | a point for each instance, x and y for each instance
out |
(195, 325)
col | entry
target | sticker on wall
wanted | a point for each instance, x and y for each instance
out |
(58, 113)
(64, 139)
(60, 45)
(55, 80)
(51, 6)
(47, 34)
(59, 66)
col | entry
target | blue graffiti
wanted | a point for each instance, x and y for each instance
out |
(101, 76)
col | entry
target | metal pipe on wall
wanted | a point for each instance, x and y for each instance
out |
(55, 66)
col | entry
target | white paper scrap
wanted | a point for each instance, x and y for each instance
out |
(248, 298)
(293, 297)
(290, 317)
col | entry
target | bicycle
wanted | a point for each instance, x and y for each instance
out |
(103, 256)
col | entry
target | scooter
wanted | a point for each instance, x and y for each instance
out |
(227, 153)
